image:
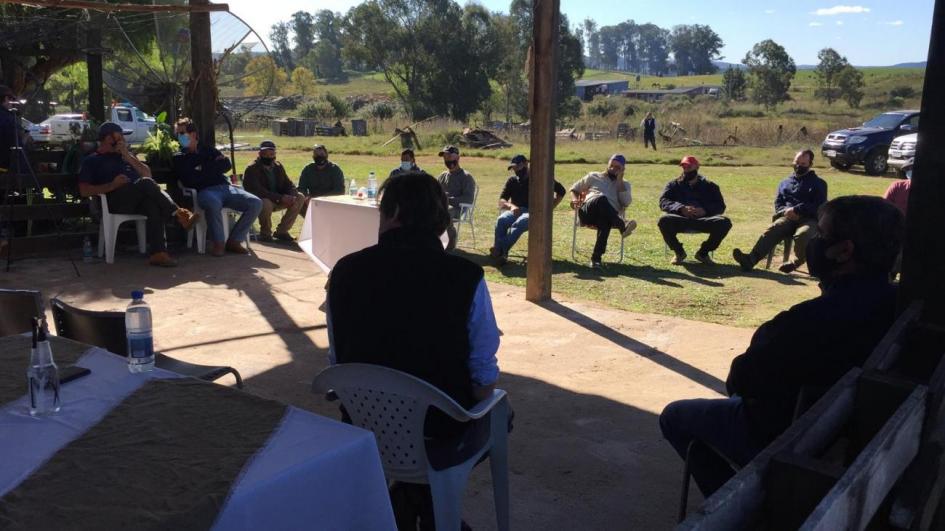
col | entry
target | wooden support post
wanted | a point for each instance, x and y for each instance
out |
(924, 251)
(93, 61)
(543, 69)
(202, 92)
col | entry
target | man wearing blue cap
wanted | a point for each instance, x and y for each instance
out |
(126, 182)
(601, 199)
(513, 204)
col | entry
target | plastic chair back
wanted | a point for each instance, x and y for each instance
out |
(17, 309)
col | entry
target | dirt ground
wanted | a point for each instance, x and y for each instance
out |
(587, 382)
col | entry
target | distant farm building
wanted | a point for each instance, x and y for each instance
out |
(653, 95)
(587, 89)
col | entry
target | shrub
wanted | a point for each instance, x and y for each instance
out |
(446, 137)
(602, 107)
(319, 110)
(340, 107)
(896, 101)
(740, 113)
(380, 110)
(669, 86)
(628, 110)
(903, 92)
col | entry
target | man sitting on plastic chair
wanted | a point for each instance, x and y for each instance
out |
(204, 168)
(606, 195)
(810, 345)
(437, 324)
(513, 203)
(127, 183)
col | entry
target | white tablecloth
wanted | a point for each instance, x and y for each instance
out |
(336, 226)
(313, 473)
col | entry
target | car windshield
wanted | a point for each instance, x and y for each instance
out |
(884, 121)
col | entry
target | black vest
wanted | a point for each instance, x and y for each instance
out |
(404, 303)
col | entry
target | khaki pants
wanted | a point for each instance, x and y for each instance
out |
(802, 231)
(288, 219)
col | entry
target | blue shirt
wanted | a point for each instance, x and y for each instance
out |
(102, 168)
(803, 194)
(483, 338)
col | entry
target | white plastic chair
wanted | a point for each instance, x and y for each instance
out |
(576, 205)
(466, 211)
(200, 227)
(393, 405)
(108, 231)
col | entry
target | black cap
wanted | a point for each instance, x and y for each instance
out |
(516, 160)
(407, 151)
(449, 149)
(267, 144)
(108, 128)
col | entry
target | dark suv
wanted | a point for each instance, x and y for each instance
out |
(868, 145)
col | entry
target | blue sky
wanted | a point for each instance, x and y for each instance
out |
(881, 32)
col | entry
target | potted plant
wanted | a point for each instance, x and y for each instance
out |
(159, 148)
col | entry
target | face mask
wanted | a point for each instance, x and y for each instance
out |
(691, 175)
(406, 165)
(451, 164)
(184, 140)
(266, 161)
(800, 170)
(818, 263)
(522, 172)
(909, 174)
(611, 174)
(321, 161)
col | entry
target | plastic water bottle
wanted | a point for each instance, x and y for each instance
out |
(42, 375)
(371, 186)
(353, 188)
(138, 330)
(87, 250)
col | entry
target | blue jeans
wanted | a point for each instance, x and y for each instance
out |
(214, 198)
(723, 425)
(508, 229)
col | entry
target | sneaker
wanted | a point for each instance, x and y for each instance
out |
(267, 238)
(743, 260)
(235, 247)
(631, 226)
(186, 218)
(787, 267)
(597, 264)
(283, 237)
(704, 258)
(679, 258)
(162, 259)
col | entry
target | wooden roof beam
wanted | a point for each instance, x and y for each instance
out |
(130, 8)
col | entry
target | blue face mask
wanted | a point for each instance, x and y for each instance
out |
(406, 165)
(909, 174)
(184, 140)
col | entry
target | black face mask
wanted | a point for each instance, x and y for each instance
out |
(321, 161)
(691, 175)
(451, 164)
(612, 175)
(818, 263)
(522, 172)
(266, 161)
(801, 170)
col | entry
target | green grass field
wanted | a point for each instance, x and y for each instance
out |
(645, 282)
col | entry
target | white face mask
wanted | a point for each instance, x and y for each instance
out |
(406, 165)
(908, 174)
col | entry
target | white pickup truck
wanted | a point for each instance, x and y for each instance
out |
(61, 128)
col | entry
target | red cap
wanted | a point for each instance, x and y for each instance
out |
(689, 160)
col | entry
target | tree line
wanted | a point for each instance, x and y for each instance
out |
(646, 48)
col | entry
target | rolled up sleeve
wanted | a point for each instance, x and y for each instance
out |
(483, 338)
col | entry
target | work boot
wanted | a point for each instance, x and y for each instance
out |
(216, 249)
(162, 259)
(679, 258)
(263, 237)
(235, 247)
(628, 229)
(788, 267)
(705, 258)
(744, 260)
(283, 236)
(186, 218)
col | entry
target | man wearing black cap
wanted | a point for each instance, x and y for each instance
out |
(321, 177)
(408, 163)
(459, 185)
(126, 181)
(513, 204)
(266, 179)
(601, 199)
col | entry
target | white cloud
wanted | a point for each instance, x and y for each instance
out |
(815, 24)
(894, 23)
(839, 22)
(840, 10)
(769, 11)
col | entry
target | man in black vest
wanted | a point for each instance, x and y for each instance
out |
(436, 320)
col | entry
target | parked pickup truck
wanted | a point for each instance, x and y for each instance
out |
(869, 145)
(62, 128)
(902, 151)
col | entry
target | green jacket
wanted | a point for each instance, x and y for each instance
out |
(256, 182)
(315, 182)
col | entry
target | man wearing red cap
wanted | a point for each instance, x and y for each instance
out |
(602, 198)
(693, 204)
